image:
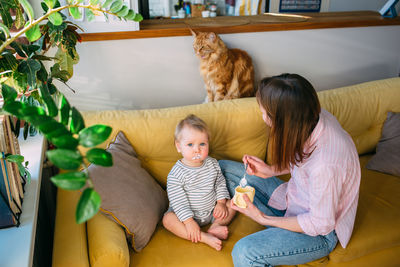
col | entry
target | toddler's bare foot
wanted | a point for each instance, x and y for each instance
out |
(211, 240)
(219, 231)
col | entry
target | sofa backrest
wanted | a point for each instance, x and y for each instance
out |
(237, 128)
(361, 109)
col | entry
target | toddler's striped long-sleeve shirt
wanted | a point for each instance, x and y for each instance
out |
(193, 191)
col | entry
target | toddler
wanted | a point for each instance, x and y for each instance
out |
(197, 189)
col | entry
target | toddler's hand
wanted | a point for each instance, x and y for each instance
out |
(220, 211)
(192, 230)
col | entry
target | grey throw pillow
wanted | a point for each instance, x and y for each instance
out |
(387, 157)
(130, 196)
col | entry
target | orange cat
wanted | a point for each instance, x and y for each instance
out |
(227, 73)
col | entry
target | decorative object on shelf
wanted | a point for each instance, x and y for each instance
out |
(197, 10)
(389, 9)
(29, 92)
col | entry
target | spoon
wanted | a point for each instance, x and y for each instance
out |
(243, 181)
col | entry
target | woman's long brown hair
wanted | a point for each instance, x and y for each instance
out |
(292, 104)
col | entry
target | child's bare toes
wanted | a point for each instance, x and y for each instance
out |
(212, 241)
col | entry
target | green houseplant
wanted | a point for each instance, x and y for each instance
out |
(30, 94)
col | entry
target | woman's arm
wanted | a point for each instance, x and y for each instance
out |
(288, 223)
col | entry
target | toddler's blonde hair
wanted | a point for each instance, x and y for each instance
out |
(194, 122)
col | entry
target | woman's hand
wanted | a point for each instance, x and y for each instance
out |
(250, 211)
(258, 167)
(220, 210)
(192, 230)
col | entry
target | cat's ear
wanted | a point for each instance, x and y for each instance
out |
(193, 32)
(212, 37)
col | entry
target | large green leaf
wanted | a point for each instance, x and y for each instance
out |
(65, 61)
(42, 74)
(14, 107)
(30, 67)
(64, 109)
(106, 3)
(4, 29)
(33, 33)
(65, 159)
(89, 15)
(19, 19)
(123, 12)
(50, 3)
(100, 157)
(138, 17)
(34, 115)
(57, 73)
(116, 6)
(66, 141)
(94, 135)
(76, 122)
(8, 93)
(88, 205)
(17, 47)
(15, 158)
(75, 13)
(56, 19)
(48, 100)
(5, 14)
(26, 130)
(28, 9)
(52, 128)
(8, 61)
(70, 180)
(23, 172)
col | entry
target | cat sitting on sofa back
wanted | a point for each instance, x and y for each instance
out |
(227, 73)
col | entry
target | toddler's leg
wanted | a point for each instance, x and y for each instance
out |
(174, 225)
(218, 227)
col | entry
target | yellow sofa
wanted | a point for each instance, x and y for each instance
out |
(237, 128)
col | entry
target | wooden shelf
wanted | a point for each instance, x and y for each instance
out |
(259, 23)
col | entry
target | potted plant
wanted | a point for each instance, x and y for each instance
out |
(30, 94)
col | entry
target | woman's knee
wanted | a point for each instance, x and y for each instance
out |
(240, 253)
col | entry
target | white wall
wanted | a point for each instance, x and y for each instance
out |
(163, 72)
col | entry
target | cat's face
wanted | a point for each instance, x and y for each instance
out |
(205, 44)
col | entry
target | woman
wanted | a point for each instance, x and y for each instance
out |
(306, 216)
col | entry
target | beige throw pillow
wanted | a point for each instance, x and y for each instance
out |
(130, 196)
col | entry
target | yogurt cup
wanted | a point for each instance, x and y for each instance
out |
(239, 192)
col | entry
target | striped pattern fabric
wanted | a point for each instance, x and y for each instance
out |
(193, 191)
(324, 188)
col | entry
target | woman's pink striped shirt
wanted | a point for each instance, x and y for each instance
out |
(323, 191)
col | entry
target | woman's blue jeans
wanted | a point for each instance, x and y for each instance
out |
(272, 246)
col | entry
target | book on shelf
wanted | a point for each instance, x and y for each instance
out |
(7, 207)
(11, 184)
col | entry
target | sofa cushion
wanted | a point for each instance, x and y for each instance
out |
(361, 109)
(166, 249)
(236, 128)
(130, 196)
(107, 243)
(377, 221)
(387, 157)
(70, 242)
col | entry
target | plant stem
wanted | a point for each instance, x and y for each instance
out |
(45, 16)
(89, 181)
